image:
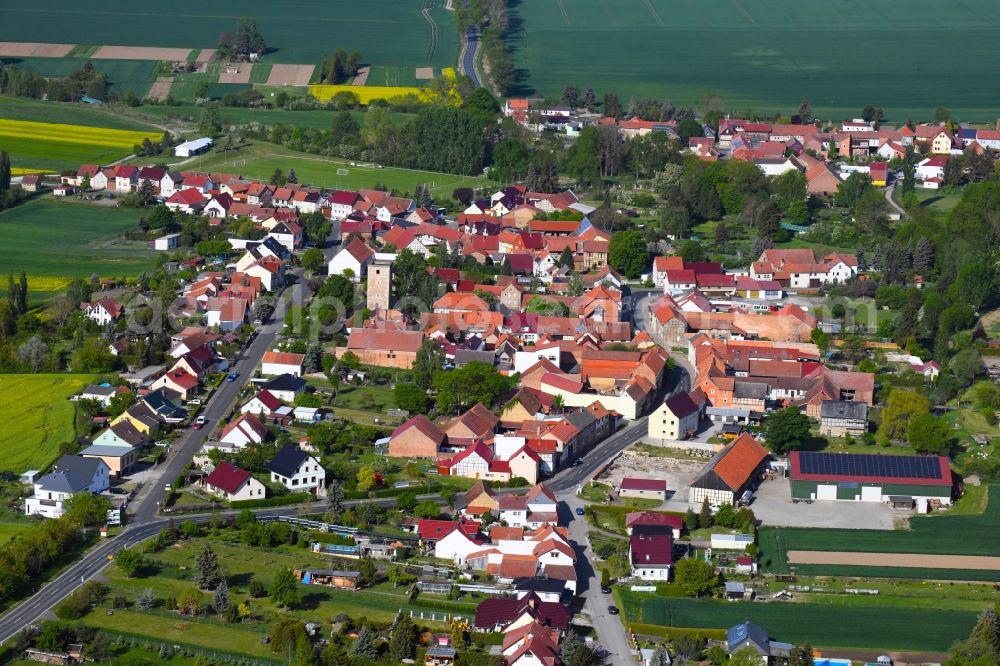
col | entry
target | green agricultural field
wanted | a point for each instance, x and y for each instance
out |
(822, 625)
(124, 75)
(55, 241)
(16, 108)
(37, 418)
(765, 56)
(962, 534)
(261, 159)
(387, 32)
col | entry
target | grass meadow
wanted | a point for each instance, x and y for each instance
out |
(386, 32)
(55, 241)
(318, 119)
(17, 108)
(765, 56)
(37, 418)
(57, 146)
(261, 159)
(123, 75)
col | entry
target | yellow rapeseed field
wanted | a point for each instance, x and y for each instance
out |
(76, 134)
(366, 94)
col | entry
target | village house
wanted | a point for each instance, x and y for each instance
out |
(419, 437)
(651, 555)
(297, 471)
(233, 484)
(675, 419)
(281, 363)
(69, 476)
(245, 430)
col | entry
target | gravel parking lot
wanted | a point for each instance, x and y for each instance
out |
(772, 505)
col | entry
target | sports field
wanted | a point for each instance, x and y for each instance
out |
(37, 418)
(56, 241)
(386, 32)
(767, 55)
(57, 146)
(822, 625)
(261, 159)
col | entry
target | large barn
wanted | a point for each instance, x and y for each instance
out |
(733, 470)
(864, 477)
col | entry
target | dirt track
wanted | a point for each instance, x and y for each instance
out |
(914, 560)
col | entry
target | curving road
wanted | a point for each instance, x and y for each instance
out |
(469, 54)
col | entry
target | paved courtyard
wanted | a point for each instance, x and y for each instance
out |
(773, 506)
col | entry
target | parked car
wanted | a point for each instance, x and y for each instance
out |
(231, 377)
(198, 423)
(580, 511)
(613, 610)
(606, 590)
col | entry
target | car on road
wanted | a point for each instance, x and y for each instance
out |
(606, 590)
(613, 610)
(231, 377)
(198, 423)
(580, 511)
(577, 462)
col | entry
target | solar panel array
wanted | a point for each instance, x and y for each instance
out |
(857, 464)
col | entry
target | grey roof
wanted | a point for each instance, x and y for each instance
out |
(441, 651)
(286, 382)
(747, 633)
(96, 389)
(843, 409)
(288, 461)
(465, 356)
(545, 585)
(125, 431)
(159, 402)
(751, 390)
(739, 588)
(71, 474)
(106, 450)
(580, 419)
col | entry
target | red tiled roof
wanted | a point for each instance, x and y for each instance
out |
(227, 477)
(372, 338)
(632, 483)
(651, 549)
(283, 358)
(424, 425)
(653, 519)
(739, 462)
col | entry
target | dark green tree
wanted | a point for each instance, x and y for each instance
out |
(627, 253)
(574, 652)
(786, 430)
(5, 173)
(207, 573)
(285, 588)
(364, 645)
(402, 638)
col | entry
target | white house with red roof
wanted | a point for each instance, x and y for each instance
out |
(104, 311)
(931, 167)
(179, 381)
(356, 256)
(187, 200)
(264, 403)
(342, 203)
(245, 430)
(233, 484)
(281, 363)
(651, 555)
(476, 462)
(643, 488)
(457, 544)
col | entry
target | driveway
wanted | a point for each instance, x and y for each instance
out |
(773, 507)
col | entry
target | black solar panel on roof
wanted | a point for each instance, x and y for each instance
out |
(856, 464)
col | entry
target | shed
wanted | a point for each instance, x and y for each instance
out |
(193, 147)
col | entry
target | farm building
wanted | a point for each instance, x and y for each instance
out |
(839, 417)
(869, 477)
(167, 242)
(733, 470)
(193, 147)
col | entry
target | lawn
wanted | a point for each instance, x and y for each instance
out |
(170, 572)
(37, 418)
(261, 159)
(958, 534)
(763, 56)
(386, 32)
(55, 241)
(822, 625)
(58, 146)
